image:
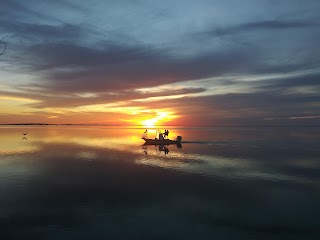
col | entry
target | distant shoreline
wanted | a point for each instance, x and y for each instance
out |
(40, 124)
(44, 124)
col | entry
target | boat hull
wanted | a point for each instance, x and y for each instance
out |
(159, 142)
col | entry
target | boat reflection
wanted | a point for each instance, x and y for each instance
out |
(159, 148)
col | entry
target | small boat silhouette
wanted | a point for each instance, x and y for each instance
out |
(160, 139)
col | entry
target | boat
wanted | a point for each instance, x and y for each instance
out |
(160, 139)
(160, 142)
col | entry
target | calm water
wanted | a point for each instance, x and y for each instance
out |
(100, 183)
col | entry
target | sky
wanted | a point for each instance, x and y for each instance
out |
(169, 62)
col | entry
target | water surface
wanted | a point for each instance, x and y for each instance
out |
(72, 182)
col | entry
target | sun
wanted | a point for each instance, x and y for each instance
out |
(161, 117)
(150, 123)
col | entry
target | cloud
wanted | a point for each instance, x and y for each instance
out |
(266, 25)
(70, 54)
(69, 67)
(109, 97)
(42, 32)
(73, 57)
(276, 101)
(246, 109)
(66, 58)
(55, 100)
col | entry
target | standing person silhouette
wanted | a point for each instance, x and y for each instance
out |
(166, 133)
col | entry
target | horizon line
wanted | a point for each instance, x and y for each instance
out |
(142, 126)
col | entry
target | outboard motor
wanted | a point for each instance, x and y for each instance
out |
(179, 138)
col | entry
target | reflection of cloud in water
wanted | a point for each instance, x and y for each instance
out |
(105, 182)
(229, 167)
(115, 143)
(217, 166)
(11, 144)
(18, 150)
(87, 155)
(223, 159)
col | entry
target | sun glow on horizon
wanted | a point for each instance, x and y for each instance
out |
(150, 123)
(160, 118)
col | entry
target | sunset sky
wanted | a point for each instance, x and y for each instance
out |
(169, 62)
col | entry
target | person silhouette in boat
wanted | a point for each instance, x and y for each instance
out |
(166, 133)
(145, 134)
